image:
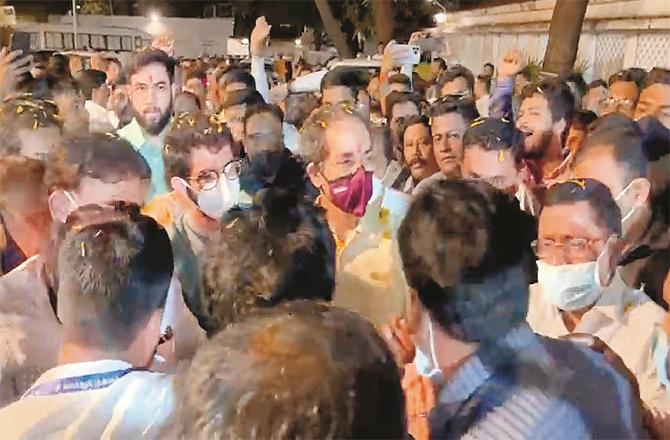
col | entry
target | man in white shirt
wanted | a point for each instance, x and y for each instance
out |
(101, 386)
(578, 289)
(362, 214)
(93, 85)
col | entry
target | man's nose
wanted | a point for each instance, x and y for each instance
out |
(555, 258)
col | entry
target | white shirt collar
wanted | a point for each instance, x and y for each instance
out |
(82, 369)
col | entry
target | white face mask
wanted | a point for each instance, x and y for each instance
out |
(571, 287)
(215, 202)
(630, 211)
(425, 365)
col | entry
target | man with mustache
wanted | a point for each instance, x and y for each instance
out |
(151, 81)
(544, 119)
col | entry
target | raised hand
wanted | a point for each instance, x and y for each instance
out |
(510, 64)
(259, 35)
(164, 42)
(12, 66)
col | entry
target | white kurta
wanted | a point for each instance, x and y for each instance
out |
(623, 318)
(135, 406)
(369, 278)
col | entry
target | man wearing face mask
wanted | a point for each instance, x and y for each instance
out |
(202, 168)
(465, 248)
(115, 268)
(362, 214)
(615, 157)
(92, 169)
(152, 89)
(579, 290)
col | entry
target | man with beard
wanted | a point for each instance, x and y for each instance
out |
(151, 81)
(544, 119)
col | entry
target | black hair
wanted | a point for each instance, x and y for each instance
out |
(493, 134)
(441, 62)
(152, 56)
(658, 75)
(98, 239)
(583, 118)
(625, 146)
(394, 98)
(595, 193)
(454, 72)
(239, 76)
(270, 109)
(457, 237)
(99, 156)
(249, 97)
(464, 107)
(486, 80)
(557, 93)
(614, 121)
(353, 79)
(597, 83)
(415, 120)
(331, 376)
(633, 74)
(578, 80)
(278, 249)
(89, 80)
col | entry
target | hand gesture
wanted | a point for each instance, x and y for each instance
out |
(12, 66)
(510, 64)
(259, 35)
(164, 42)
(399, 339)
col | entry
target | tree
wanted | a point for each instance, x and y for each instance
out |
(564, 33)
(96, 7)
(333, 27)
(383, 13)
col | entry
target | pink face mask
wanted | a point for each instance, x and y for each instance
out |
(352, 193)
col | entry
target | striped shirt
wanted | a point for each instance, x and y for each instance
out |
(527, 386)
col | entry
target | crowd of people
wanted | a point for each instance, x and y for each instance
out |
(188, 250)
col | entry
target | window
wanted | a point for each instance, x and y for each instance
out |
(68, 40)
(54, 40)
(84, 41)
(113, 42)
(98, 42)
(127, 42)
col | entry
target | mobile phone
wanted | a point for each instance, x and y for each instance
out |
(411, 54)
(21, 41)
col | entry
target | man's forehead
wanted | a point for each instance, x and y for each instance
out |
(153, 73)
(536, 100)
(569, 218)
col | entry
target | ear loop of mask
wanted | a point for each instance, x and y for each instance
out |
(431, 341)
(632, 209)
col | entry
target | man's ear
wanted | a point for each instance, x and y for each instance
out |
(179, 185)
(314, 175)
(61, 205)
(641, 189)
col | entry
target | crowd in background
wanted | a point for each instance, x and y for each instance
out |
(206, 249)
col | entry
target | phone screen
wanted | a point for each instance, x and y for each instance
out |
(21, 41)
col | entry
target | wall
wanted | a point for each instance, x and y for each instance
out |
(193, 36)
(616, 34)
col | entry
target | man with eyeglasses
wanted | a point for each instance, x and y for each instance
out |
(624, 92)
(202, 168)
(579, 289)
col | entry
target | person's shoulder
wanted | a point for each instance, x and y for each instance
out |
(22, 282)
(640, 310)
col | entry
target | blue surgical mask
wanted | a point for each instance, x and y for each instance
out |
(427, 366)
(630, 212)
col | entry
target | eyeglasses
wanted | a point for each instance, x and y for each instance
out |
(624, 103)
(208, 179)
(573, 247)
